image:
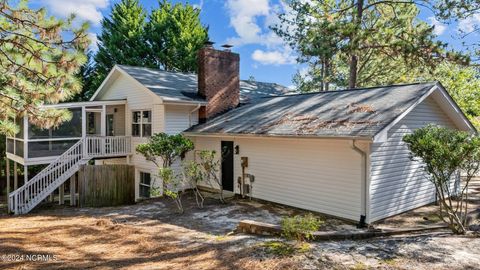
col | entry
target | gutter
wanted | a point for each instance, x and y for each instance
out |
(363, 217)
(253, 135)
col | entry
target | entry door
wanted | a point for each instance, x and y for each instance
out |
(110, 127)
(93, 123)
(227, 165)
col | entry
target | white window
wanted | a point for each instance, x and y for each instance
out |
(142, 123)
(145, 182)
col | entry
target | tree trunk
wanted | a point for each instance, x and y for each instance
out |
(352, 78)
(327, 74)
(357, 20)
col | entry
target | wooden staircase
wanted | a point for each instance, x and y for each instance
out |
(25, 198)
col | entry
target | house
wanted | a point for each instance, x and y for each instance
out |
(338, 152)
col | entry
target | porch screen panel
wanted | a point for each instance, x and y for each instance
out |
(48, 148)
(55, 141)
(19, 123)
(68, 129)
(11, 146)
(19, 148)
(72, 128)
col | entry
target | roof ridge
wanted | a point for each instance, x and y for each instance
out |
(191, 73)
(158, 69)
(354, 89)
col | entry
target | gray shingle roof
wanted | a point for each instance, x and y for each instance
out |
(169, 85)
(347, 113)
(253, 90)
(178, 86)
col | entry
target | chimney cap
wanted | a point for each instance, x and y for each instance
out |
(208, 44)
(227, 47)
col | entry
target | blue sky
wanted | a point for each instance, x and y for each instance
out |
(243, 23)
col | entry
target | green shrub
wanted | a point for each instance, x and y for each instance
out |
(300, 228)
(279, 248)
(443, 153)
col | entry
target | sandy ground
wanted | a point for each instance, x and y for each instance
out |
(150, 235)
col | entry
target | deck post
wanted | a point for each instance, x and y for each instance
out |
(15, 176)
(7, 174)
(84, 122)
(103, 121)
(25, 174)
(72, 190)
(25, 138)
(61, 194)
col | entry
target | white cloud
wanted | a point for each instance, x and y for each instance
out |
(244, 18)
(275, 57)
(85, 10)
(93, 38)
(469, 24)
(199, 5)
(251, 20)
(438, 27)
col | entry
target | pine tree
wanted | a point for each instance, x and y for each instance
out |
(169, 40)
(356, 43)
(122, 40)
(37, 65)
(86, 75)
(175, 34)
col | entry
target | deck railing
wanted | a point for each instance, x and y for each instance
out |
(25, 198)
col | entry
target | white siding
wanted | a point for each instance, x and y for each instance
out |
(171, 119)
(177, 118)
(123, 87)
(398, 184)
(313, 174)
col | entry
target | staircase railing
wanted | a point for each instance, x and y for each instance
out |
(56, 173)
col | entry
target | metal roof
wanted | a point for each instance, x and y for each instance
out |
(345, 113)
(178, 86)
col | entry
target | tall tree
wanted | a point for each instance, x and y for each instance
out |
(122, 40)
(358, 43)
(457, 10)
(37, 65)
(463, 84)
(86, 74)
(169, 39)
(175, 34)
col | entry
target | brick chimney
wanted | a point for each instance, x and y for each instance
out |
(218, 80)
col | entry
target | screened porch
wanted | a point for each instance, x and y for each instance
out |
(34, 145)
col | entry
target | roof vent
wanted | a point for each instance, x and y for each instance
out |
(227, 47)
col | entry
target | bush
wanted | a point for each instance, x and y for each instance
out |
(192, 172)
(444, 153)
(167, 148)
(279, 248)
(300, 228)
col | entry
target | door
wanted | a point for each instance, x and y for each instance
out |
(93, 123)
(110, 125)
(227, 165)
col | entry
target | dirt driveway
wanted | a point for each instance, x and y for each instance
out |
(150, 235)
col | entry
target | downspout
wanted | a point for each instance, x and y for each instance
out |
(363, 217)
(190, 115)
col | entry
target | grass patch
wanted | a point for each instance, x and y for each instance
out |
(300, 228)
(280, 248)
(221, 238)
(391, 262)
(432, 218)
(359, 266)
